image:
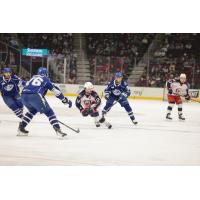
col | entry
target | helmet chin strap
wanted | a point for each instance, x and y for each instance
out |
(6, 78)
(88, 92)
(117, 82)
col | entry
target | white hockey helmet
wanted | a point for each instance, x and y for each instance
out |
(183, 78)
(88, 86)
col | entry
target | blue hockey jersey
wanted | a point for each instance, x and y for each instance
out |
(11, 87)
(117, 90)
(40, 85)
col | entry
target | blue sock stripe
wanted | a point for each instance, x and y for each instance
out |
(29, 115)
(52, 117)
(53, 121)
(56, 125)
(19, 111)
(26, 119)
(24, 122)
(19, 114)
(130, 113)
(16, 110)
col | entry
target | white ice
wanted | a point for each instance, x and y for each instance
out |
(154, 141)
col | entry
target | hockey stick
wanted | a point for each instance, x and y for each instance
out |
(112, 105)
(75, 130)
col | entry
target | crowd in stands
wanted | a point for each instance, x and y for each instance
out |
(178, 53)
(109, 52)
(59, 46)
(10, 39)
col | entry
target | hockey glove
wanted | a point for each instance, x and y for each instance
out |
(93, 107)
(123, 96)
(67, 101)
(187, 97)
(85, 112)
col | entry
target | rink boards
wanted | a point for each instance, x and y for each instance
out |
(145, 93)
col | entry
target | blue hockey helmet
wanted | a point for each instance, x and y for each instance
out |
(7, 73)
(42, 71)
(118, 75)
(7, 70)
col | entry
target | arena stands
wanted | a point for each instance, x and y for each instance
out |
(178, 53)
(60, 46)
(108, 53)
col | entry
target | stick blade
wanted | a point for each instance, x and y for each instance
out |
(78, 130)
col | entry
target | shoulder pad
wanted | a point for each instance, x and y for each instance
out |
(94, 93)
(82, 92)
(125, 83)
(15, 77)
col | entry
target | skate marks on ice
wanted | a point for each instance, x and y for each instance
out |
(163, 126)
(153, 141)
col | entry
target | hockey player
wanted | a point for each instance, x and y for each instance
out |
(88, 102)
(177, 88)
(118, 91)
(33, 97)
(9, 88)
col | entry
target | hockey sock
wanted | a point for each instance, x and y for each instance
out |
(132, 117)
(180, 109)
(19, 112)
(54, 122)
(52, 119)
(170, 107)
(127, 108)
(129, 111)
(27, 118)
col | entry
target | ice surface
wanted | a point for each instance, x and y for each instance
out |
(154, 141)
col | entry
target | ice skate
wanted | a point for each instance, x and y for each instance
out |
(59, 132)
(168, 116)
(181, 117)
(22, 131)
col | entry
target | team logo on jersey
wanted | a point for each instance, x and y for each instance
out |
(116, 92)
(178, 91)
(8, 87)
(87, 103)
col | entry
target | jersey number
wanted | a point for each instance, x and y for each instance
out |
(36, 81)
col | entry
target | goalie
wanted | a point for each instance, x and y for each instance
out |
(88, 102)
(177, 88)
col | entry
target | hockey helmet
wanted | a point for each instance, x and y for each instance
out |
(42, 71)
(6, 73)
(183, 78)
(118, 75)
(88, 86)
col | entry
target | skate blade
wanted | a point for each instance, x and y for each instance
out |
(61, 136)
(21, 134)
(109, 127)
(168, 120)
